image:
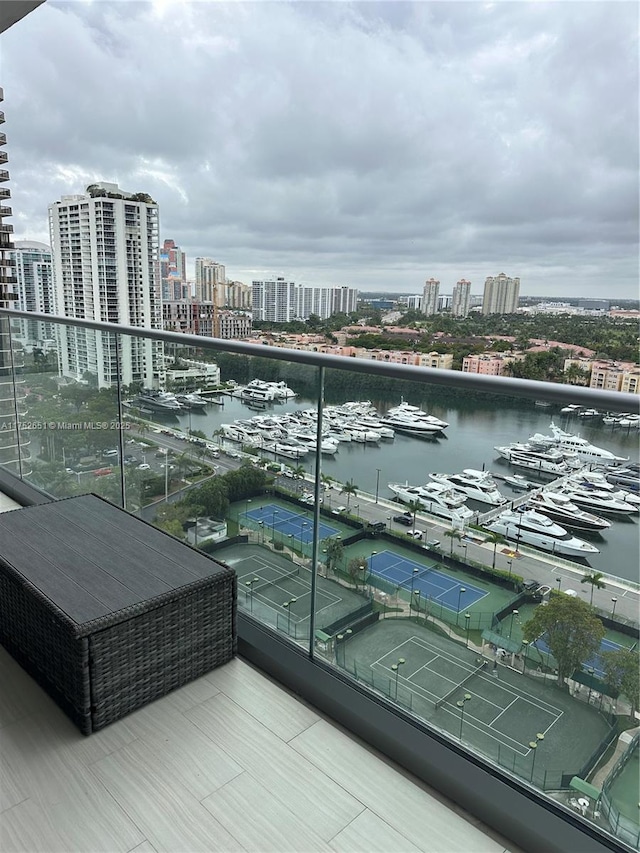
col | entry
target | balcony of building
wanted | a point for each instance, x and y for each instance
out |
(233, 760)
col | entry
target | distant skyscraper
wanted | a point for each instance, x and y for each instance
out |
(173, 271)
(430, 297)
(281, 301)
(210, 280)
(461, 298)
(501, 294)
(105, 251)
(34, 271)
(274, 300)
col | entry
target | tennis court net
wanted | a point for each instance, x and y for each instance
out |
(267, 582)
(440, 702)
(411, 578)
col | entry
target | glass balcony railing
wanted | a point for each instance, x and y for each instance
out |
(419, 533)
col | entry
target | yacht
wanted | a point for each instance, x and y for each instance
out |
(192, 401)
(161, 400)
(590, 413)
(259, 390)
(594, 480)
(536, 529)
(570, 410)
(286, 449)
(436, 499)
(559, 507)
(411, 425)
(567, 441)
(414, 412)
(477, 485)
(598, 501)
(520, 483)
(528, 456)
(362, 434)
(627, 477)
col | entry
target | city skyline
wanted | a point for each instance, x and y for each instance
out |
(492, 153)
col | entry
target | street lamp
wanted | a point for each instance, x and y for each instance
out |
(467, 619)
(396, 669)
(261, 526)
(460, 591)
(461, 703)
(417, 595)
(614, 601)
(590, 672)
(465, 546)
(273, 526)
(513, 613)
(246, 512)
(510, 564)
(357, 509)
(413, 580)
(525, 643)
(533, 744)
(377, 483)
(559, 582)
(287, 605)
(390, 520)
(291, 543)
(249, 586)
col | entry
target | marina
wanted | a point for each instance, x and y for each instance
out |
(468, 441)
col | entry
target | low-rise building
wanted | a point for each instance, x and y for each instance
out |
(488, 364)
(201, 371)
(609, 375)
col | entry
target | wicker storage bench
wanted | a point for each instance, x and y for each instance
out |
(106, 612)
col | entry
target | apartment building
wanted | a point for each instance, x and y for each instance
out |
(173, 271)
(609, 375)
(238, 295)
(501, 294)
(203, 318)
(104, 245)
(210, 280)
(280, 301)
(430, 297)
(34, 289)
(487, 364)
(461, 298)
(14, 443)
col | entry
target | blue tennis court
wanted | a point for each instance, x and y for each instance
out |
(284, 521)
(594, 662)
(427, 580)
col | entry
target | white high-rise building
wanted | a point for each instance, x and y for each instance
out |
(273, 301)
(280, 301)
(105, 249)
(501, 294)
(210, 280)
(430, 297)
(461, 298)
(34, 288)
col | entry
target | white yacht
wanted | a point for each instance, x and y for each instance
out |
(286, 449)
(536, 529)
(436, 499)
(412, 419)
(559, 507)
(477, 485)
(592, 499)
(162, 401)
(274, 390)
(527, 456)
(571, 410)
(192, 401)
(567, 441)
(362, 434)
(595, 480)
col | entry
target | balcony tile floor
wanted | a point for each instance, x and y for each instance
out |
(230, 762)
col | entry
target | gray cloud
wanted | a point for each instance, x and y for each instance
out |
(372, 144)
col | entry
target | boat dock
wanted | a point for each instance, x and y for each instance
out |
(494, 512)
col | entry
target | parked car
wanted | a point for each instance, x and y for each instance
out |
(113, 452)
(144, 466)
(403, 519)
(377, 526)
(432, 543)
(102, 472)
(417, 534)
(338, 510)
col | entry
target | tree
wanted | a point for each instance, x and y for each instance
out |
(218, 435)
(355, 567)
(453, 534)
(595, 579)
(349, 489)
(495, 539)
(414, 506)
(334, 549)
(571, 630)
(622, 674)
(212, 496)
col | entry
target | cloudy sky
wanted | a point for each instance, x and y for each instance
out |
(367, 144)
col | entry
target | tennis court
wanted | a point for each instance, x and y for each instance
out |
(266, 581)
(502, 712)
(594, 662)
(278, 519)
(427, 580)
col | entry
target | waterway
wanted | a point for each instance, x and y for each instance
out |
(473, 432)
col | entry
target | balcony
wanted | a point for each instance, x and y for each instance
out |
(385, 633)
(4, 157)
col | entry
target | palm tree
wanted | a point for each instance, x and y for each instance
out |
(453, 534)
(595, 579)
(217, 434)
(348, 489)
(326, 479)
(495, 539)
(414, 506)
